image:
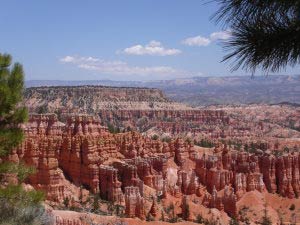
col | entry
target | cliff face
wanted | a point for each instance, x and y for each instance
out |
(148, 111)
(123, 167)
(167, 121)
(247, 172)
(91, 99)
(58, 149)
(268, 127)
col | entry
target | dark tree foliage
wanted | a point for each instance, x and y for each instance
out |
(17, 206)
(185, 211)
(265, 33)
(204, 143)
(199, 219)
(265, 220)
(233, 221)
(11, 115)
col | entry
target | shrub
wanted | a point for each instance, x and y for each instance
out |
(292, 207)
(155, 137)
(199, 219)
(16, 213)
(66, 202)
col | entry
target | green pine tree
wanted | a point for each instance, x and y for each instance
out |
(233, 221)
(265, 220)
(96, 203)
(199, 219)
(11, 115)
(186, 211)
(17, 206)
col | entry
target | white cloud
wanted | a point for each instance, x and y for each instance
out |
(221, 35)
(117, 67)
(152, 48)
(67, 59)
(196, 41)
(76, 59)
(203, 41)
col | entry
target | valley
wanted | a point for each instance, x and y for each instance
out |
(121, 153)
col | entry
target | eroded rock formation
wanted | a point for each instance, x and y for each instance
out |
(129, 168)
(173, 121)
(134, 202)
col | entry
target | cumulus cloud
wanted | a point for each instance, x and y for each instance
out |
(205, 41)
(221, 35)
(152, 48)
(117, 67)
(67, 59)
(196, 41)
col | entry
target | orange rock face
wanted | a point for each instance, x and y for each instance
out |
(134, 202)
(128, 168)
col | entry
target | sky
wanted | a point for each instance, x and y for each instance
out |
(115, 39)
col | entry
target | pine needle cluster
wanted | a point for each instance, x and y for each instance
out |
(265, 33)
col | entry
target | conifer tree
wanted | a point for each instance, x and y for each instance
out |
(17, 206)
(265, 220)
(233, 221)
(11, 114)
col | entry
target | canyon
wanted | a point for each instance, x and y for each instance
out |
(150, 167)
(150, 112)
(81, 158)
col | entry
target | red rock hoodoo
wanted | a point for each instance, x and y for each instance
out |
(127, 168)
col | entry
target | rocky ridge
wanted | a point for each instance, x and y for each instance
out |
(91, 99)
(148, 111)
(205, 91)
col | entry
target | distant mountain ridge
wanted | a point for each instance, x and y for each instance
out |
(203, 91)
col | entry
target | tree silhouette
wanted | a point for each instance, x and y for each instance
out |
(264, 34)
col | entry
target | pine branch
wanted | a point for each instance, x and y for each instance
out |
(265, 34)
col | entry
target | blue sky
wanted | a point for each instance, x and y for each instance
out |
(118, 40)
